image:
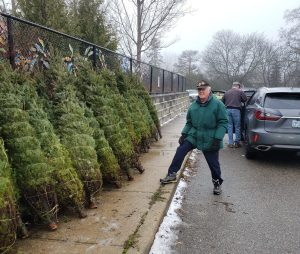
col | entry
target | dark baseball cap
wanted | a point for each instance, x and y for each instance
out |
(202, 84)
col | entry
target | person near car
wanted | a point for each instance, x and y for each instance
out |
(232, 100)
(205, 128)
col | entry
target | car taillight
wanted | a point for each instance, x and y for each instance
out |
(265, 116)
(255, 138)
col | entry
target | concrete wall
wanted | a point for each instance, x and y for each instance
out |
(170, 105)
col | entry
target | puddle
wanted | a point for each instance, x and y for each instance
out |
(227, 205)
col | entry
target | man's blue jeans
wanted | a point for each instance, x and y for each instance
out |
(234, 119)
(212, 159)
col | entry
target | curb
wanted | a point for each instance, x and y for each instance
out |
(167, 206)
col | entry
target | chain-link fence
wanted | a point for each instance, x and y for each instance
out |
(27, 45)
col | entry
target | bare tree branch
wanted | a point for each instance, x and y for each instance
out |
(233, 57)
(143, 20)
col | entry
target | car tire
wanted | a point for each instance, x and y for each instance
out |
(250, 153)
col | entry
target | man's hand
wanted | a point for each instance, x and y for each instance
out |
(215, 146)
(181, 139)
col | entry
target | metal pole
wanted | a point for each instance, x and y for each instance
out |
(171, 81)
(151, 78)
(163, 82)
(130, 61)
(94, 57)
(10, 41)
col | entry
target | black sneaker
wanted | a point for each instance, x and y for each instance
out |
(169, 178)
(217, 187)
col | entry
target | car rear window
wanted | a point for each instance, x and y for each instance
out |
(249, 93)
(283, 101)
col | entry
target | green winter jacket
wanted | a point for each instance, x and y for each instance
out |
(204, 122)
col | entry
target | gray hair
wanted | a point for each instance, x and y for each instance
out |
(236, 84)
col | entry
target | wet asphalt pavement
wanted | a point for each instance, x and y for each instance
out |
(258, 211)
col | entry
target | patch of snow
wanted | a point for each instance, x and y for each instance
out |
(166, 236)
(187, 171)
(193, 155)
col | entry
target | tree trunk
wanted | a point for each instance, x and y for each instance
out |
(139, 31)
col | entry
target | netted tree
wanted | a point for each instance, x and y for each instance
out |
(72, 127)
(141, 93)
(33, 174)
(111, 170)
(68, 186)
(97, 94)
(140, 116)
(11, 224)
(8, 207)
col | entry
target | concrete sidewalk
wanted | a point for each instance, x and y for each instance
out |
(126, 219)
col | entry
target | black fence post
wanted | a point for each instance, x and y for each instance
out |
(151, 78)
(130, 62)
(171, 81)
(178, 83)
(10, 40)
(163, 81)
(94, 57)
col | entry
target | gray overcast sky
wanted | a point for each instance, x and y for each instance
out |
(196, 30)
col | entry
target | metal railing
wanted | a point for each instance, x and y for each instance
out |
(22, 41)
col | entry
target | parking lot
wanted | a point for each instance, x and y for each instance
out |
(258, 211)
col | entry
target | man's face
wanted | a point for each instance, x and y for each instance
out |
(203, 93)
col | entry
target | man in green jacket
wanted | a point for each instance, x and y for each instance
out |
(205, 128)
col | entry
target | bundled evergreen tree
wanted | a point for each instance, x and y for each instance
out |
(73, 129)
(11, 223)
(141, 92)
(98, 95)
(142, 121)
(110, 167)
(118, 103)
(8, 210)
(33, 175)
(68, 186)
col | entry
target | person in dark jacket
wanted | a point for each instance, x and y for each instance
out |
(206, 124)
(232, 100)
